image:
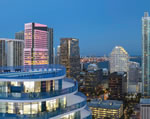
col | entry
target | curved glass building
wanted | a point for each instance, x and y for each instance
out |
(40, 92)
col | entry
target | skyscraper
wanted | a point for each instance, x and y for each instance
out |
(50, 46)
(70, 56)
(3, 57)
(134, 72)
(11, 52)
(58, 55)
(38, 44)
(134, 77)
(118, 60)
(15, 52)
(92, 79)
(144, 108)
(146, 54)
(117, 84)
(19, 35)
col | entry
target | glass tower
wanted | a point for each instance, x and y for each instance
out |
(146, 54)
(70, 56)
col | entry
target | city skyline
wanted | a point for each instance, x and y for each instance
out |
(75, 59)
(91, 22)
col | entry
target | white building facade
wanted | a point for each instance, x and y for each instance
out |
(13, 52)
(118, 60)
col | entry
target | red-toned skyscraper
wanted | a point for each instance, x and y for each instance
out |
(37, 44)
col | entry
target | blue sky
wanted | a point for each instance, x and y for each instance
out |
(99, 24)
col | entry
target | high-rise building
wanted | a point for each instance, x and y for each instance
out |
(146, 54)
(144, 108)
(117, 84)
(134, 77)
(40, 92)
(19, 35)
(38, 44)
(58, 55)
(11, 52)
(3, 57)
(111, 109)
(50, 46)
(54, 56)
(70, 56)
(15, 52)
(92, 79)
(134, 72)
(118, 60)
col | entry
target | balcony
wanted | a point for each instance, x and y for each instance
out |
(47, 115)
(32, 72)
(86, 113)
(42, 95)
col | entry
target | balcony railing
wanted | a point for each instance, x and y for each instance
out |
(32, 72)
(46, 115)
(90, 115)
(41, 95)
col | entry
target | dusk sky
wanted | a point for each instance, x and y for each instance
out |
(98, 24)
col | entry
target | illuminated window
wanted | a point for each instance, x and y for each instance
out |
(27, 108)
(15, 83)
(10, 107)
(34, 108)
(52, 105)
(28, 87)
(37, 87)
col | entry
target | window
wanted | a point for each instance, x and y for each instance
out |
(27, 108)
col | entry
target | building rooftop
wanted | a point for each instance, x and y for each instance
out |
(144, 101)
(107, 104)
(8, 39)
(92, 67)
(119, 50)
(31, 72)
